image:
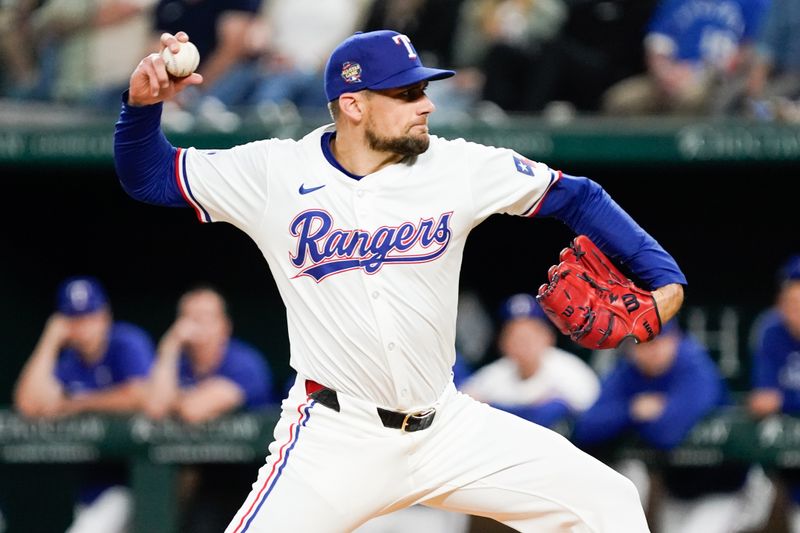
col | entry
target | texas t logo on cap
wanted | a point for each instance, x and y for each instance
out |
(405, 41)
(382, 59)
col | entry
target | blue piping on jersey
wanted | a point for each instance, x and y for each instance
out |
(203, 214)
(325, 144)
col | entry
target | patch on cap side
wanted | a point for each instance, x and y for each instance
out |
(351, 72)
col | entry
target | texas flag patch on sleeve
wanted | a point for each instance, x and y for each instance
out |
(524, 165)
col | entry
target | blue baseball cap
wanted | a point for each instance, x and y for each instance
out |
(382, 59)
(522, 305)
(80, 295)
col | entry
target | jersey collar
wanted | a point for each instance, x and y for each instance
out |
(325, 142)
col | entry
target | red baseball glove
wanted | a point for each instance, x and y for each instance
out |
(590, 300)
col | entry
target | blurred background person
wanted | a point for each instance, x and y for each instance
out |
(263, 56)
(201, 373)
(776, 367)
(295, 38)
(511, 43)
(773, 82)
(658, 391)
(18, 68)
(692, 48)
(533, 378)
(221, 30)
(545, 56)
(76, 49)
(776, 361)
(588, 61)
(84, 361)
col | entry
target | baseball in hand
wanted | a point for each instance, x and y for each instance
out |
(182, 63)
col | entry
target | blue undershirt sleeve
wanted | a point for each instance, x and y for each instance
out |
(143, 157)
(584, 206)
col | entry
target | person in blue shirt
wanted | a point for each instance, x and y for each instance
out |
(201, 373)
(658, 392)
(776, 362)
(776, 365)
(84, 361)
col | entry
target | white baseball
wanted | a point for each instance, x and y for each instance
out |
(182, 63)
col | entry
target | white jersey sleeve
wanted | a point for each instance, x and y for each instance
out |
(226, 185)
(503, 181)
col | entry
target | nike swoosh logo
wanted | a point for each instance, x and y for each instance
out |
(303, 190)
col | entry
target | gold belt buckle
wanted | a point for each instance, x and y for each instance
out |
(418, 414)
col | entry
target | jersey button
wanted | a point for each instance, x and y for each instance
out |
(390, 346)
(359, 193)
(375, 295)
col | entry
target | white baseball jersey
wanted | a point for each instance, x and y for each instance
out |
(368, 269)
(560, 376)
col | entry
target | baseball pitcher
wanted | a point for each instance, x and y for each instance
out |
(363, 224)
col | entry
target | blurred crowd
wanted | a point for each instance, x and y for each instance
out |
(654, 393)
(556, 58)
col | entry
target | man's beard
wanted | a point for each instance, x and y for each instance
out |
(406, 146)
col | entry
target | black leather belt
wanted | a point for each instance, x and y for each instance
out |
(391, 419)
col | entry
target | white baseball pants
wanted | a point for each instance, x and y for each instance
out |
(330, 471)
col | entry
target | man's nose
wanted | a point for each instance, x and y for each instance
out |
(426, 106)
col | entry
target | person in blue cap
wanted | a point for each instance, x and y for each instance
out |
(775, 374)
(84, 362)
(776, 361)
(363, 224)
(534, 379)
